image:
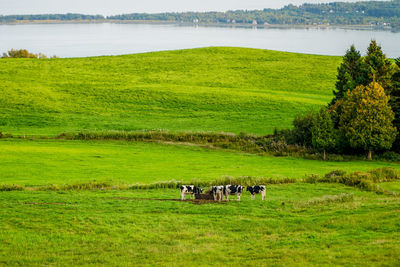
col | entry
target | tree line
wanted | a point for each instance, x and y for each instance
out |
(69, 16)
(375, 12)
(363, 116)
(23, 53)
(338, 13)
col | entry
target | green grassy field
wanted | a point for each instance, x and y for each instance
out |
(112, 228)
(207, 89)
(41, 162)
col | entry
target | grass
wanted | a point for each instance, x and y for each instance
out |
(71, 220)
(126, 228)
(41, 162)
(208, 89)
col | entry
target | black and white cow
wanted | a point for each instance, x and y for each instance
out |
(233, 190)
(191, 190)
(257, 189)
(217, 192)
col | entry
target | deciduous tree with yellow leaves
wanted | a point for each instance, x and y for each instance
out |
(366, 119)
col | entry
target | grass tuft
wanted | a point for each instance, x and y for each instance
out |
(326, 199)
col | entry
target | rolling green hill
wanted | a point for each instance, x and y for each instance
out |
(206, 89)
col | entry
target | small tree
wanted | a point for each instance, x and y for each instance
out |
(302, 125)
(323, 133)
(366, 119)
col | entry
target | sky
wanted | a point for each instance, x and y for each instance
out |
(113, 7)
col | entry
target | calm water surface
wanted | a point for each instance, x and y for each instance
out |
(81, 40)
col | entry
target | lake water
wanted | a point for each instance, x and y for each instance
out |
(81, 40)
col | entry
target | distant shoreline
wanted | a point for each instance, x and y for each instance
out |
(224, 25)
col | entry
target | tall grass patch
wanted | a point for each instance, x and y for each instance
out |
(364, 180)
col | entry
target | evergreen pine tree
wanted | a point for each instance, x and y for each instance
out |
(380, 69)
(351, 73)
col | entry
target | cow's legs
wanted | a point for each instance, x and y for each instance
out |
(252, 196)
(238, 197)
(263, 195)
(215, 196)
(182, 196)
(227, 197)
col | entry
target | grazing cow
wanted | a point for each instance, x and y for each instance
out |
(217, 192)
(233, 190)
(191, 190)
(257, 189)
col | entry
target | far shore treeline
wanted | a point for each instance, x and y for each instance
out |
(375, 13)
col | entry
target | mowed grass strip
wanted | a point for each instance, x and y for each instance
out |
(41, 162)
(208, 89)
(127, 228)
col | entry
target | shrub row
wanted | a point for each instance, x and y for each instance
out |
(243, 142)
(275, 145)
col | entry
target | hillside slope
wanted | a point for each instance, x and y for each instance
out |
(206, 89)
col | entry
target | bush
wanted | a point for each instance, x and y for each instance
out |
(390, 156)
(367, 185)
(302, 125)
(335, 174)
(14, 187)
(384, 174)
(312, 179)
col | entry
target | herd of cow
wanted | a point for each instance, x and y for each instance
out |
(219, 191)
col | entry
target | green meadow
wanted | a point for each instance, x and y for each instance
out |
(41, 162)
(208, 89)
(217, 89)
(295, 226)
